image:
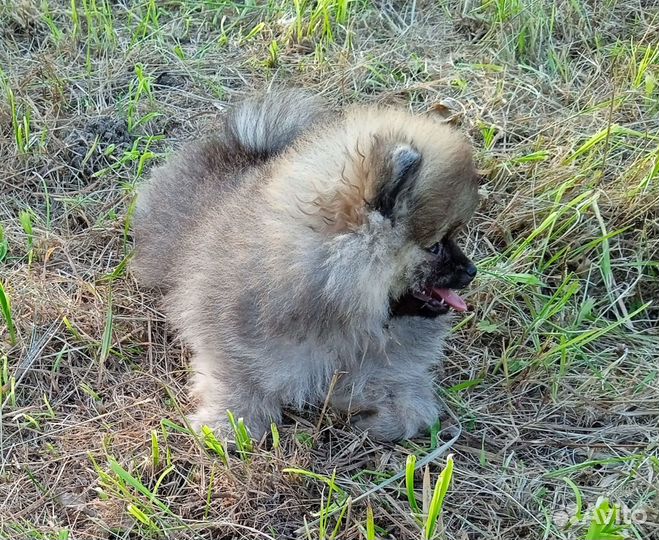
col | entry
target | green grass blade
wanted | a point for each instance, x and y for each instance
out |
(141, 516)
(604, 523)
(5, 308)
(4, 245)
(106, 342)
(315, 476)
(370, 523)
(213, 444)
(437, 502)
(155, 449)
(578, 498)
(133, 482)
(409, 483)
(275, 435)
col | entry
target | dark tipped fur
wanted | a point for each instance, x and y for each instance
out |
(400, 166)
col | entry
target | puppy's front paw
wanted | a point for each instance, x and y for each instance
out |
(398, 419)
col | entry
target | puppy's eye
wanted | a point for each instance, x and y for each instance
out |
(435, 248)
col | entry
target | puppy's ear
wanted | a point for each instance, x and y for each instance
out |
(449, 111)
(401, 166)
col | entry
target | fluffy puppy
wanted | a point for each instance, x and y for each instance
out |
(299, 242)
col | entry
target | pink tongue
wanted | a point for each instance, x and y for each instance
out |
(451, 298)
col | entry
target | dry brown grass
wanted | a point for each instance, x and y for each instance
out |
(553, 375)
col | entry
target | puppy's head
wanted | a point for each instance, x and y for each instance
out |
(417, 176)
(428, 189)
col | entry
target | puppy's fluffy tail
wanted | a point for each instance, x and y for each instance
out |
(177, 195)
(266, 125)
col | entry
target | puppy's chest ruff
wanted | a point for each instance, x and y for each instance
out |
(415, 338)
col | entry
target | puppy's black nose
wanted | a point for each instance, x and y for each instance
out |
(471, 270)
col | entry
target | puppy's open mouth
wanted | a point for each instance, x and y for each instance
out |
(427, 302)
(440, 300)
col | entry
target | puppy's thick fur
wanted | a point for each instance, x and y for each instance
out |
(299, 242)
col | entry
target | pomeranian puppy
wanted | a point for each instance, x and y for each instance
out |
(299, 242)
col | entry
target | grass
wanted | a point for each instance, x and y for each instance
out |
(551, 380)
(5, 309)
(432, 502)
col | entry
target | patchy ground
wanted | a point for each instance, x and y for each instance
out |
(553, 375)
